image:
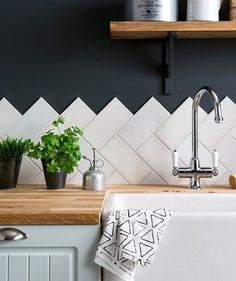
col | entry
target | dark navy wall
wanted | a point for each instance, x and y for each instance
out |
(61, 49)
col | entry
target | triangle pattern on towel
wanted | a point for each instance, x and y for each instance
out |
(144, 249)
(142, 218)
(128, 264)
(137, 228)
(130, 246)
(128, 256)
(160, 212)
(132, 237)
(110, 229)
(148, 237)
(156, 220)
(132, 212)
(104, 240)
(123, 238)
(111, 249)
(125, 226)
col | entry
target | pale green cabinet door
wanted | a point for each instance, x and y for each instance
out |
(51, 253)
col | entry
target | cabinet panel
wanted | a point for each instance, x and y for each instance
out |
(51, 253)
(37, 264)
(39, 267)
(18, 267)
(3, 267)
(62, 262)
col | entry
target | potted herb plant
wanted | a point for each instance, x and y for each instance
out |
(11, 152)
(59, 153)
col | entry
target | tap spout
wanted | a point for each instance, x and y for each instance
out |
(218, 115)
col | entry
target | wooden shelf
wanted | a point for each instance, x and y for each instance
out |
(160, 30)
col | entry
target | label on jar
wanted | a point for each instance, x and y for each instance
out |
(149, 8)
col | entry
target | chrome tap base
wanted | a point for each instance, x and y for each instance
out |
(195, 172)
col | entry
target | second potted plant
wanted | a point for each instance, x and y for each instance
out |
(59, 153)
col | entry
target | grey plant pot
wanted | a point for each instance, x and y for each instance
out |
(9, 172)
(54, 180)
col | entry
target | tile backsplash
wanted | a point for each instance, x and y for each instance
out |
(135, 148)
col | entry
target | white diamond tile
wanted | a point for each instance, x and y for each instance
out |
(106, 123)
(224, 180)
(232, 133)
(37, 137)
(3, 137)
(38, 163)
(77, 114)
(143, 123)
(210, 132)
(124, 160)
(115, 178)
(75, 179)
(38, 179)
(8, 115)
(212, 180)
(227, 153)
(178, 125)
(159, 158)
(33, 121)
(71, 175)
(185, 154)
(28, 171)
(86, 150)
(153, 178)
(185, 182)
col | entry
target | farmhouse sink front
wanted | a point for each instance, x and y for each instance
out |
(200, 241)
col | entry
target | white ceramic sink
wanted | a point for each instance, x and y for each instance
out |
(200, 241)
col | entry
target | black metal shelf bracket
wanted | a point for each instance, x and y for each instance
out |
(169, 62)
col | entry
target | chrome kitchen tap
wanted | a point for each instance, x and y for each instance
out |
(195, 171)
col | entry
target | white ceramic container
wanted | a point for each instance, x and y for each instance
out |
(203, 10)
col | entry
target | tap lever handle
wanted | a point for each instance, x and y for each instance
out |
(215, 158)
(175, 156)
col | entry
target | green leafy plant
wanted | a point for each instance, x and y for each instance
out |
(11, 148)
(60, 150)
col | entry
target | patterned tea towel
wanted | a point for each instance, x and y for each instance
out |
(131, 237)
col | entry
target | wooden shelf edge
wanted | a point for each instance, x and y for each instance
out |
(160, 30)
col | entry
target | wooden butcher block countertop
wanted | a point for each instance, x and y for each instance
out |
(31, 205)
